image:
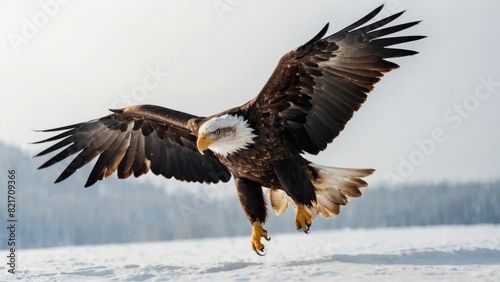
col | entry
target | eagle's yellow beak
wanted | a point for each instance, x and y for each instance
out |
(204, 142)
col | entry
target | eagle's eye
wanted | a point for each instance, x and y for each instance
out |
(217, 131)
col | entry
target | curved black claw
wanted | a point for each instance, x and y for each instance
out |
(268, 238)
(261, 252)
(306, 231)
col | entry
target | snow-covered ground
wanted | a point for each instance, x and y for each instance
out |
(440, 253)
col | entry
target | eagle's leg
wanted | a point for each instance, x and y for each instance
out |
(253, 203)
(303, 219)
(257, 233)
(297, 184)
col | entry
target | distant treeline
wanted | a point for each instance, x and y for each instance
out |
(117, 211)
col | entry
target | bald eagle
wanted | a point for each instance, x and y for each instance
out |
(307, 101)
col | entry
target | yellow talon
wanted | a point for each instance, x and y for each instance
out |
(257, 233)
(303, 219)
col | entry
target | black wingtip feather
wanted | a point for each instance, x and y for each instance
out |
(396, 53)
(361, 21)
(72, 126)
(384, 42)
(89, 183)
(390, 30)
(378, 24)
(313, 40)
(319, 35)
(60, 178)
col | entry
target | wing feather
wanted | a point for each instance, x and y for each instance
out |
(316, 88)
(125, 167)
(109, 158)
(135, 140)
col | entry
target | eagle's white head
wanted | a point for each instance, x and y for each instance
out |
(225, 135)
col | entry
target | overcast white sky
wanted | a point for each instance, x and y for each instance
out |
(436, 118)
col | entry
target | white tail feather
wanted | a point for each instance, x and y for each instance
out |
(334, 186)
(279, 200)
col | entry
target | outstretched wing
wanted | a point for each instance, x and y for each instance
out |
(135, 140)
(316, 88)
